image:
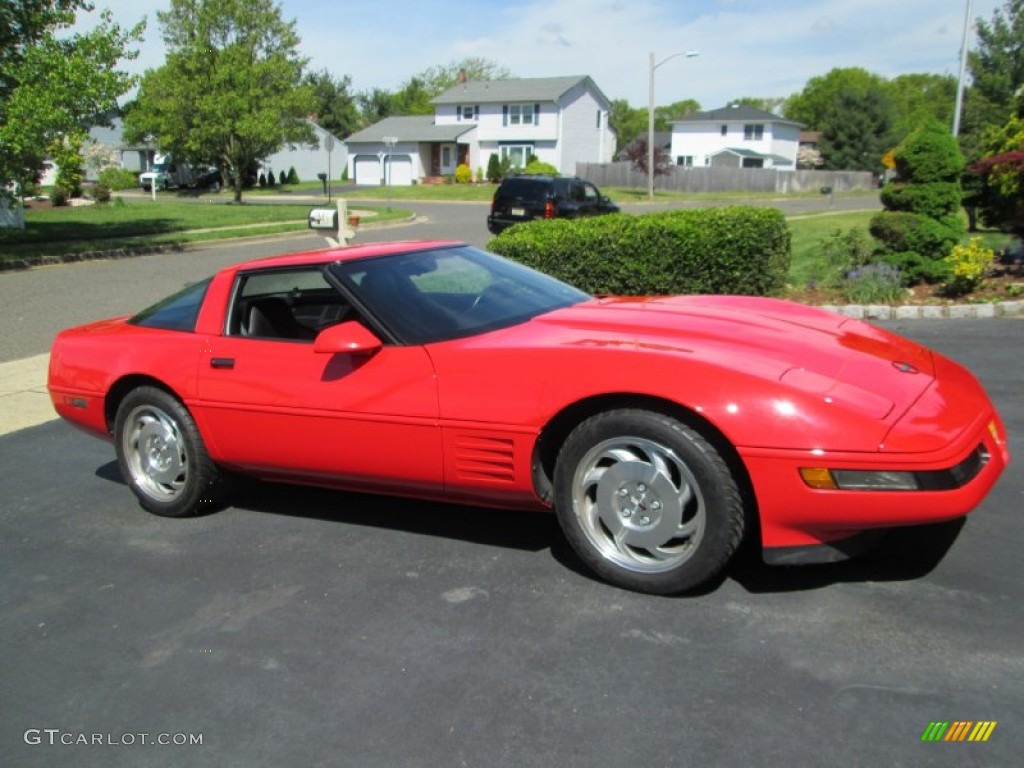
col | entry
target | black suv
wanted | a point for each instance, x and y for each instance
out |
(523, 198)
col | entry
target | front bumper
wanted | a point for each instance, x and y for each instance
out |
(795, 515)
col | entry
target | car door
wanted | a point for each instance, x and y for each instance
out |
(270, 404)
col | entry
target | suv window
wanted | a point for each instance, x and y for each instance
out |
(526, 188)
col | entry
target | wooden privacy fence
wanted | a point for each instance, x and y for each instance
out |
(702, 180)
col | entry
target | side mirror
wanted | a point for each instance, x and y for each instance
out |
(347, 338)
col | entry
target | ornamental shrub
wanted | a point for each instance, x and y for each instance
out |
(494, 169)
(918, 245)
(293, 177)
(463, 175)
(733, 250)
(921, 225)
(968, 265)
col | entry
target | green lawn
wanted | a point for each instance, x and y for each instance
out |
(136, 222)
(809, 230)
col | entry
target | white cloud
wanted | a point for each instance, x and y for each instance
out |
(751, 48)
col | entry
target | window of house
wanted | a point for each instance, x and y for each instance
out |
(518, 154)
(753, 132)
(470, 113)
(725, 130)
(685, 160)
(521, 114)
(598, 126)
(753, 162)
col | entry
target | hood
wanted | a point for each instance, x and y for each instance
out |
(815, 351)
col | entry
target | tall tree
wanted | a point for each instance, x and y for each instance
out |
(773, 104)
(53, 86)
(231, 88)
(663, 116)
(627, 122)
(997, 75)
(440, 78)
(854, 112)
(336, 108)
(915, 97)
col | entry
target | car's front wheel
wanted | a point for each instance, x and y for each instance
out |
(646, 502)
(162, 456)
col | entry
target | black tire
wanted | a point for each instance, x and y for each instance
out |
(646, 502)
(162, 456)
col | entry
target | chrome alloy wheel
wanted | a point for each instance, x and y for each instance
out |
(154, 449)
(639, 504)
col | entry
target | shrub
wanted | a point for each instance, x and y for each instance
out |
(843, 252)
(538, 168)
(920, 224)
(916, 244)
(100, 193)
(968, 264)
(293, 177)
(874, 284)
(263, 179)
(271, 181)
(933, 199)
(60, 195)
(118, 178)
(734, 250)
(282, 179)
(463, 175)
(494, 169)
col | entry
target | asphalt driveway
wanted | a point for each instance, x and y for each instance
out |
(306, 627)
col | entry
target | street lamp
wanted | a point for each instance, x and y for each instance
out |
(964, 47)
(650, 116)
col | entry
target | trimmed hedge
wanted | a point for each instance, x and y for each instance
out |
(733, 250)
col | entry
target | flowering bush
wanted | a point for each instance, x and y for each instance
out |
(874, 284)
(463, 175)
(968, 265)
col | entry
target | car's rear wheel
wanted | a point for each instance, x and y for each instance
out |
(646, 502)
(162, 456)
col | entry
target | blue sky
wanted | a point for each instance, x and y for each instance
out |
(766, 48)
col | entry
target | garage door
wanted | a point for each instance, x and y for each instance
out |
(401, 170)
(367, 168)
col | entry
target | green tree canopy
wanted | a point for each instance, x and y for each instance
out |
(854, 111)
(627, 122)
(336, 108)
(231, 89)
(54, 86)
(997, 75)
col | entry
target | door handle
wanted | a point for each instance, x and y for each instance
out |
(222, 362)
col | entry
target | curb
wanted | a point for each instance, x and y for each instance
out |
(928, 311)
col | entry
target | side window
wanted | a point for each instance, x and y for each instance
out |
(590, 193)
(288, 304)
(175, 313)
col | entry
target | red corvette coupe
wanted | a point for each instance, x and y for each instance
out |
(661, 430)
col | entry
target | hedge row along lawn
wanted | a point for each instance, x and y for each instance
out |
(138, 223)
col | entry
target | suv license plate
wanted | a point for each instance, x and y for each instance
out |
(517, 211)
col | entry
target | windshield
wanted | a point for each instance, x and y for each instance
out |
(448, 293)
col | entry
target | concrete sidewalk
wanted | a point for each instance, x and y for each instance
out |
(24, 401)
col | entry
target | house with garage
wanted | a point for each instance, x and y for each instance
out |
(559, 120)
(735, 136)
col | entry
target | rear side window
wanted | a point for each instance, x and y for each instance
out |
(175, 313)
(527, 189)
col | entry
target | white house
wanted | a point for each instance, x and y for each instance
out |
(307, 161)
(736, 136)
(560, 120)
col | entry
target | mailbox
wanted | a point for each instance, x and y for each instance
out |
(323, 218)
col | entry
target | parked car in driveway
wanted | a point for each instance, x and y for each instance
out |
(524, 198)
(662, 431)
